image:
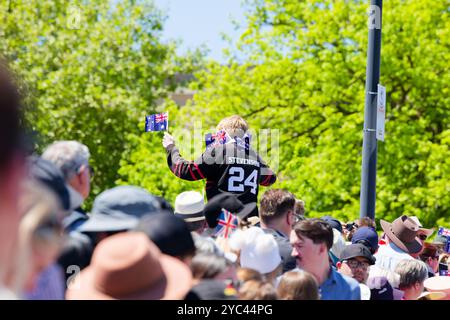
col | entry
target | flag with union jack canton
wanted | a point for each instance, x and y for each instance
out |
(157, 122)
(228, 223)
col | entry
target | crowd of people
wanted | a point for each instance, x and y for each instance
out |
(135, 245)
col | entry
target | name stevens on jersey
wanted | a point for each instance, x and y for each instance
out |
(234, 160)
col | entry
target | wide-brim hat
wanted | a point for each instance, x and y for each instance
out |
(438, 284)
(403, 233)
(229, 202)
(128, 266)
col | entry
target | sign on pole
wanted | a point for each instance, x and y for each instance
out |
(381, 112)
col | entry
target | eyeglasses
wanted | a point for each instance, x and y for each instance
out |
(356, 264)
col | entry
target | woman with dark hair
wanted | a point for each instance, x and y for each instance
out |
(430, 256)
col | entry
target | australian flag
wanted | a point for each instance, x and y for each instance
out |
(213, 139)
(444, 232)
(157, 122)
(228, 223)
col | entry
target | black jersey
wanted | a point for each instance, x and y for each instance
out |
(226, 168)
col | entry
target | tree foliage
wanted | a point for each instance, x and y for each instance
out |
(303, 73)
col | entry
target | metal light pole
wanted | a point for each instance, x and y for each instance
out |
(369, 155)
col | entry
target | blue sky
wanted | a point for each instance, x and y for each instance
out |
(198, 22)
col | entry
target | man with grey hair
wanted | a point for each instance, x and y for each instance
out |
(412, 275)
(72, 158)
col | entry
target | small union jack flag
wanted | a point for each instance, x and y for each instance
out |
(157, 122)
(444, 232)
(228, 223)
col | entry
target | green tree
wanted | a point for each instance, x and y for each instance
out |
(91, 69)
(303, 72)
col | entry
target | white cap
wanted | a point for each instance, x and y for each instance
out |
(258, 250)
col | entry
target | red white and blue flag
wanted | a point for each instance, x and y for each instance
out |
(157, 122)
(228, 223)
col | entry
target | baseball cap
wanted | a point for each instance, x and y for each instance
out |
(120, 208)
(47, 173)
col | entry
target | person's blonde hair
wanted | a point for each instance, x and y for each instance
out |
(298, 285)
(234, 126)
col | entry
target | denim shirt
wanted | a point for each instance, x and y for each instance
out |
(339, 287)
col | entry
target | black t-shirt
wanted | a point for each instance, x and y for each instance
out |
(226, 168)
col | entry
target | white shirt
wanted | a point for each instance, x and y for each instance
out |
(389, 255)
